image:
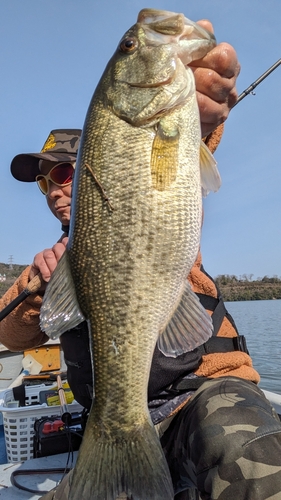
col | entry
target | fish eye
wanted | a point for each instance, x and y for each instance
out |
(128, 45)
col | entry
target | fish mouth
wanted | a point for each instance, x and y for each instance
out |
(162, 26)
(172, 24)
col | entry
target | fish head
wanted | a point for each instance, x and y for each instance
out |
(149, 71)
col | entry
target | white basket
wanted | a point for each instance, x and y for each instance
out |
(19, 422)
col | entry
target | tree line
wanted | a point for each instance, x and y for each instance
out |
(240, 288)
(9, 274)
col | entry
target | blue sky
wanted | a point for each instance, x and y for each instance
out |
(52, 56)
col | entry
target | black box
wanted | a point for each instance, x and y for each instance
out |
(62, 439)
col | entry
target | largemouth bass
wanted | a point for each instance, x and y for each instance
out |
(134, 236)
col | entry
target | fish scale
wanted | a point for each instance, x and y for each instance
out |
(134, 236)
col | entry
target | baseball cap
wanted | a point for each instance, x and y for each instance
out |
(61, 145)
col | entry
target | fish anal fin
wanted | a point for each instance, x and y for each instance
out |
(164, 157)
(190, 326)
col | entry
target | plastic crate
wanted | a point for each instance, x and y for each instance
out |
(19, 422)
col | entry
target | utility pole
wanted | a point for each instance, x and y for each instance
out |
(11, 262)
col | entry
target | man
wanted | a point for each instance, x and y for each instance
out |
(226, 439)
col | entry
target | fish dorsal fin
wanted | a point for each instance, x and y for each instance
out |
(190, 326)
(210, 176)
(60, 310)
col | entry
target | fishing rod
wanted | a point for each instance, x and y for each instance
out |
(32, 287)
(36, 283)
(249, 90)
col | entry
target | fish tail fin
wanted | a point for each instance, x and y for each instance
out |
(131, 462)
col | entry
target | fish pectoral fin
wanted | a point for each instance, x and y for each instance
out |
(164, 156)
(190, 326)
(210, 176)
(60, 310)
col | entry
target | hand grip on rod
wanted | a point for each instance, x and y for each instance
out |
(32, 287)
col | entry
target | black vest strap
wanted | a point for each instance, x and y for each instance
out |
(223, 344)
(213, 303)
(217, 306)
(219, 344)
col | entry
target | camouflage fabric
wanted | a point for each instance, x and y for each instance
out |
(61, 145)
(226, 442)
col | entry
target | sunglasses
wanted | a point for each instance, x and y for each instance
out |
(61, 175)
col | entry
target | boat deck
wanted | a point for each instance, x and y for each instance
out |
(40, 482)
(43, 482)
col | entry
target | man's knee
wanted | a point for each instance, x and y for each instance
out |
(224, 417)
(217, 440)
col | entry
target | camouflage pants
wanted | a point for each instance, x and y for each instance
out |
(227, 443)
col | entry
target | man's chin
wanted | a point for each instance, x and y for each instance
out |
(64, 217)
(64, 220)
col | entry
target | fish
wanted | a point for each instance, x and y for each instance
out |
(134, 236)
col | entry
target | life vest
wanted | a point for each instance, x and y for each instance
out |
(165, 372)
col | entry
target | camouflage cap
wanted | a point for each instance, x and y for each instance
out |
(61, 145)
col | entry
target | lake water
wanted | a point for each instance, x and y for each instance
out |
(260, 322)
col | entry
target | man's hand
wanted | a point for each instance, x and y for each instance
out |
(46, 261)
(215, 79)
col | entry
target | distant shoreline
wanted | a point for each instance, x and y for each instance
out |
(233, 289)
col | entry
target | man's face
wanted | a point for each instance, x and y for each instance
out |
(58, 197)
